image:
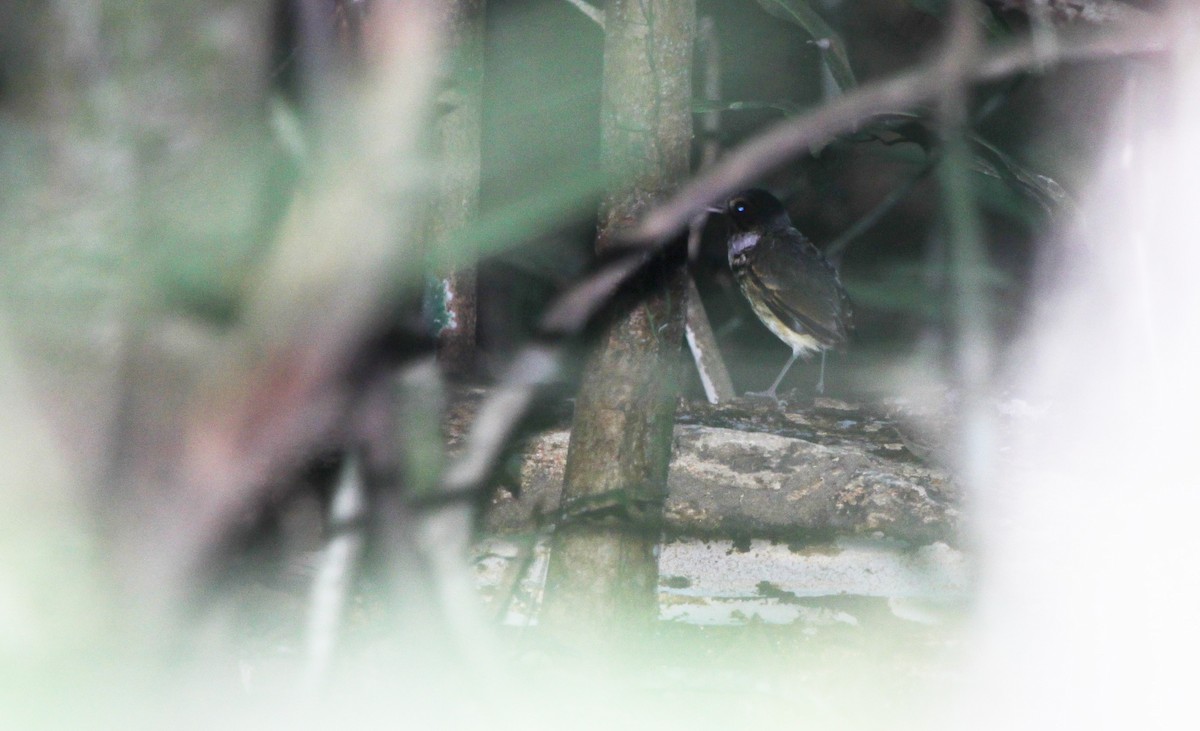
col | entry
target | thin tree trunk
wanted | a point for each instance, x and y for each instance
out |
(603, 572)
(457, 130)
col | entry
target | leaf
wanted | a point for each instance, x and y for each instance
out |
(833, 50)
(986, 158)
(990, 160)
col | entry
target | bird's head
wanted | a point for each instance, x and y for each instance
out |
(756, 210)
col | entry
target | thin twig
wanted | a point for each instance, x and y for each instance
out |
(710, 366)
(535, 366)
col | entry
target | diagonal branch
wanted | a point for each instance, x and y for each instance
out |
(793, 137)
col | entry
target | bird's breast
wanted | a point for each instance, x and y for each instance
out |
(740, 244)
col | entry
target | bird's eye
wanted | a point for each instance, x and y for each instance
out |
(738, 206)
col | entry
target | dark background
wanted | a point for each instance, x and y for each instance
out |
(542, 101)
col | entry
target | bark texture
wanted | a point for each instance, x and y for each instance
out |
(602, 570)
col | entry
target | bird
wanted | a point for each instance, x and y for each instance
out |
(790, 285)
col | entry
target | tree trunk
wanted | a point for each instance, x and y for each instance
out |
(458, 130)
(603, 572)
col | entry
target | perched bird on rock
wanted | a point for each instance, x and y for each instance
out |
(793, 289)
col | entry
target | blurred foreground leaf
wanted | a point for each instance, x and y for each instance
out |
(538, 211)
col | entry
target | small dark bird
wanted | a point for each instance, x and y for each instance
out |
(792, 288)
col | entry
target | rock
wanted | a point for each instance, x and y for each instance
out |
(801, 477)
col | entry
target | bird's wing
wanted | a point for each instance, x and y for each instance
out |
(800, 287)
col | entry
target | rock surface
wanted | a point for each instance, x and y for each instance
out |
(751, 470)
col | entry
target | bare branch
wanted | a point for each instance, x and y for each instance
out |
(710, 366)
(698, 332)
(793, 137)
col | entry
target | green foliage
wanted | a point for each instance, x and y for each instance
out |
(833, 49)
(541, 208)
(1041, 189)
(987, 159)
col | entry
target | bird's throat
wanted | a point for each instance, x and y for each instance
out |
(742, 242)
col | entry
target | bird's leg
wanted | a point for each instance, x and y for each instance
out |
(821, 378)
(770, 392)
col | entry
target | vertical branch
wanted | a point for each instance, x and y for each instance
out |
(457, 131)
(338, 565)
(970, 306)
(709, 50)
(143, 181)
(601, 575)
(714, 376)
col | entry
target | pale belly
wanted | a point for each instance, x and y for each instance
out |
(801, 343)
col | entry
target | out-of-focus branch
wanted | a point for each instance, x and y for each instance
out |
(534, 367)
(278, 384)
(442, 535)
(50, 558)
(969, 305)
(339, 563)
(792, 137)
(709, 53)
